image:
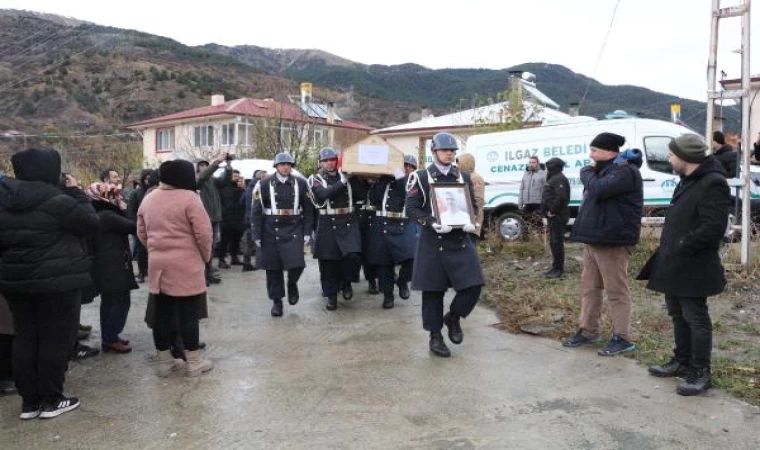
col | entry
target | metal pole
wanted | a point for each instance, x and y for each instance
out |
(746, 144)
(712, 63)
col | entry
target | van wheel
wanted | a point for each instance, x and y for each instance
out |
(511, 226)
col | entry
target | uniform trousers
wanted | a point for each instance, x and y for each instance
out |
(432, 306)
(386, 275)
(276, 281)
(334, 274)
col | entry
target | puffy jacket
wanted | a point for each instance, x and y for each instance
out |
(233, 209)
(112, 270)
(42, 229)
(613, 200)
(556, 197)
(727, 158)
(466, 162)
(532, 187)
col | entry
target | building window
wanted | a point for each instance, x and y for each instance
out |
(319, 137)
(204, 136)
(245, 133)
(165, 139)
(228, 134)
(657, 152)
(287, 134)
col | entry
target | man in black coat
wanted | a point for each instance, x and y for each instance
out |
(445, 256)
(687, 266)
(233, 220)
(43, 268)
(555, 203)
(133, 205)
(725, 154)
(337, 242)
(609, 223)
(282, 224)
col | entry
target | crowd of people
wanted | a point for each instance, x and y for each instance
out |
(62, 245)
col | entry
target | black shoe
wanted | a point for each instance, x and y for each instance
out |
(83, 352)
(140, 278)
(616, 346)
(403, 291)
(223, 264)
(235, 261)
(372, 289)
(63, 405)
(455, 328)
(388, 301)
(86, 328)
(332, 302)
(437, 346)
(30, 411)
(293, 294)
(672, 368)
(277, 308)
(248, 267)
(554, 274)
(697, 382)
(579, 339)
(348, 291)
(213, 279)
(7, 387)
(201, 345)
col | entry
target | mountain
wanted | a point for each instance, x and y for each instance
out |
(448, 89)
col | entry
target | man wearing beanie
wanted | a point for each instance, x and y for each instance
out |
(609, 223)
(687, 267)
(43, 270)
(555, 203)
(725, 154)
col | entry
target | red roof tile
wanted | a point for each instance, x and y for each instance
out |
(248, 107)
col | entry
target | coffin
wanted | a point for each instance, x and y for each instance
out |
(372, 155)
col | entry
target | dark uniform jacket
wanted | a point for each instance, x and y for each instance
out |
(613, 200)
(337, 234)
(556, 197)
(392, 240)
(441, 260)
(281, 235)
(687, 263)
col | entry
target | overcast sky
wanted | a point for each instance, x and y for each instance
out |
(658, 44)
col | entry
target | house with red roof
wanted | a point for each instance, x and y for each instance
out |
(248, 128)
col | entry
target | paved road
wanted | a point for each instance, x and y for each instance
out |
(362, 378)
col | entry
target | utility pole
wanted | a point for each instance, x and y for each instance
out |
(742, 10)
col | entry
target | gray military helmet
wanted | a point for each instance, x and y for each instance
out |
(444, 141)
(327, 153)
(411, 160)
(283, 158)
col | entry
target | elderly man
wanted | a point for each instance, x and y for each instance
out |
(687, 267)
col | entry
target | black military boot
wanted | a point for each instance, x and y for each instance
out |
(388, 300)
(248, 267)
(277, 308)
(672, 368)
(293, 293)
(403, 291)
(372, 289)
(223, 264)
(235, 261)
(697, 381)
(455, 329)
(437, 346)
(348, 291)
(332, 302)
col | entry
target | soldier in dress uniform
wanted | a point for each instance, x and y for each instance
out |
(445, 256)
(282, 224)
(393, 236)
(337, 242)
(366, 214)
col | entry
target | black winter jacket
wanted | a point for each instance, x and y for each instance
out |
(233, 209)
(613, 200)
(727, 158)
(687, 262)
(112, 268)
(42, 229)
(556, 197)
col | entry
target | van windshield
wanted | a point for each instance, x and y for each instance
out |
(657, 152)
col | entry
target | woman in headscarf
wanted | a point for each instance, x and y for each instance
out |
(175, 228)
(112, 268)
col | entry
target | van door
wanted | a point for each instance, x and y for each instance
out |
(657, 173)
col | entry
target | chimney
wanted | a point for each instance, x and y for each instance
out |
(217, 99)
(515, 80)
(306, 93)
(574, 109)
(425, 112)
(330, 112)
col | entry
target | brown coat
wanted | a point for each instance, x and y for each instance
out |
(175, 228)
(6, 320)
(466, 162)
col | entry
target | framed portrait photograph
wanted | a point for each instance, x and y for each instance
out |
(452, 204)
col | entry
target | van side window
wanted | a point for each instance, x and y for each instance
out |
(657, 151)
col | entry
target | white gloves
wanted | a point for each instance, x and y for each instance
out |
(470, 228)
(442, 229)
(306, 240)
(398, 173)
(258, 243)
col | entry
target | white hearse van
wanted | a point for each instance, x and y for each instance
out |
(501, 159)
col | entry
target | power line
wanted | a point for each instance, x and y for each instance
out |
(601, 52)
(68, 136)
